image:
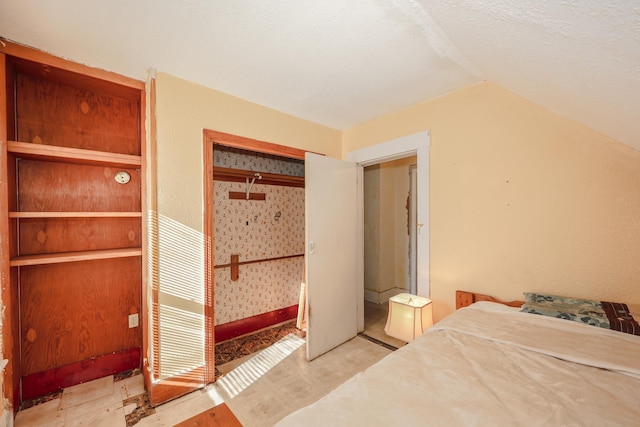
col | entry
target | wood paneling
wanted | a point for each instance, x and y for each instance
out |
(50, 235)
(52, 186)
(54, 114)
(76, 311)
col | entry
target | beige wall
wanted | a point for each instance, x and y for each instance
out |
(521, 198)
(176, 258)
(184, 109)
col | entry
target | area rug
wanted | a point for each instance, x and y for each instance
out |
(243, 346)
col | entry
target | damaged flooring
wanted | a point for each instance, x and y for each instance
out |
(262, 378)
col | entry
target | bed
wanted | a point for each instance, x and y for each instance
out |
(490, 364)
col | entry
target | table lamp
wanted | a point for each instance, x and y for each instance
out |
(409, 316)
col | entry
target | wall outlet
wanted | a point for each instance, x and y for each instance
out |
(133, 320)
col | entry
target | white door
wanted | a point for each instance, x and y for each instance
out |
(331, 238)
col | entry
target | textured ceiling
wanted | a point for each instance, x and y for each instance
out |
(340, 63)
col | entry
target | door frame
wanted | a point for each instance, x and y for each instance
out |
(413, 229)
(209, 138)
(416, 144)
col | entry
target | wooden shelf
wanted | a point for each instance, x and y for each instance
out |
(56, 258)
(75, 214)
(238, 175)
(73, 155)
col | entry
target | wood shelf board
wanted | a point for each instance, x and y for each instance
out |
(73, 155)
(56, 258)
(75, 214)
(238, 175)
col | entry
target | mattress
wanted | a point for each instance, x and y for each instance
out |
(492, 365)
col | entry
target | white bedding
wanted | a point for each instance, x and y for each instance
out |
(490, 365)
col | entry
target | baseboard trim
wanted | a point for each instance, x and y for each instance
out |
(382, 297)
(41, 383)
(245, 326)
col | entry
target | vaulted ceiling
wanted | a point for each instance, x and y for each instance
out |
(341, 63)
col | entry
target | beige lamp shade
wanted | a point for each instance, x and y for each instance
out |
(409, 316)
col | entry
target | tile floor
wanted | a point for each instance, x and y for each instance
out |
(260, 389)
(375, 318)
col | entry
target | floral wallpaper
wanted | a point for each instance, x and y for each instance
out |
(256, 230)
(236, 158)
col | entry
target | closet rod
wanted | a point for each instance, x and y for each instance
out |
(258, 260)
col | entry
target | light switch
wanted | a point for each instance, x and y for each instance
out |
(133, 320)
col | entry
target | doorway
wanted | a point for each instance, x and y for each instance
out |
(258, 250)
(231, 141)
(389, 226)
(416, 144)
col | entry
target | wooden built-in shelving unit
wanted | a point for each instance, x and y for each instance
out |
(75, 233)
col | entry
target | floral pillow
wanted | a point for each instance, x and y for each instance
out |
(603, 314)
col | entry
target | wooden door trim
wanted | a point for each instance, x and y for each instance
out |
(148, 209)
(10, 343)
(235, 141)
(207, 227)
(177, 385)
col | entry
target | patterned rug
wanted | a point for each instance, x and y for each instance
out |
(243, 346)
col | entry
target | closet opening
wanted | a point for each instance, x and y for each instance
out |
(255, 227)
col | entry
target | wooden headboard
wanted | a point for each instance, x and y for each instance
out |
(464, 298)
